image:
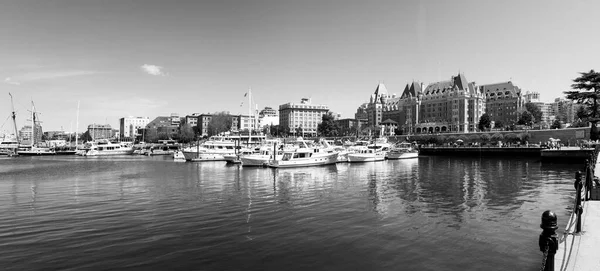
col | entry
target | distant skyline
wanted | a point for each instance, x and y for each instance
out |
(153, 58)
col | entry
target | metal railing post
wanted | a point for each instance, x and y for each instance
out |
(548, 241)
(578, 207)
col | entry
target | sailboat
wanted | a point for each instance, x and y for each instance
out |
(9, 147)
(70, 150)
(34, 149)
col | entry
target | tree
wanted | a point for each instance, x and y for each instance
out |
(526, 118)
(196, 130)
(186, 133)
(586, 92)
(556, 124)
(535, 111)
(86, 136)
(328, 126)
(484, 122)
(498, 124)
(220, 122)
(485, 138)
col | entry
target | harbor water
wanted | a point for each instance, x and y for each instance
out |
(150, 213)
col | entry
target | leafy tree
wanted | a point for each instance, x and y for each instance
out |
(328, 126)
(526, 118)
(186, 133)
(586, 92)
(535, 111)
(485, 138)
(220, 122)
(498, 124)
(86, 136)
(484, 122)
(556, 124)
(512, 138)
(497, 137)
(197, 130)
(524, 137)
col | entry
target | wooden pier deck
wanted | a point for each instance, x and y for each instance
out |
(581, 251)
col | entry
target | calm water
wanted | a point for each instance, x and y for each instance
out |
(431, 213)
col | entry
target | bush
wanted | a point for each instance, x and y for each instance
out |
(524, 137)
(512, 138)
(497, 137)
(485, 138)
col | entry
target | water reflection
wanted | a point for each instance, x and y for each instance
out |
(105, 213)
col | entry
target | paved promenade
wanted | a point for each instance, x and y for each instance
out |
(581, 251)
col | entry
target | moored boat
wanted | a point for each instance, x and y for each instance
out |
(304, 156)
(213, 149)
(367, 154)
(104, 147)
(403, 150)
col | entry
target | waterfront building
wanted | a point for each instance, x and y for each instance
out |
(192, 120)
(243, 123)
(350, 126)
(453, 105)
(165, 126)
(268, 117)
(100, 131)
(504, 102)
(131, 127)
(204, 120)
(361, 112)
(375, 106)
(303, 117)
(564, 110)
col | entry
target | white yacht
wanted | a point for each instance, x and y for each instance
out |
(213, 149)
(236, 157)
(304, 156)
(367, 154)
(9, 147)
(403, 150)
(104, 147)
(265, 154)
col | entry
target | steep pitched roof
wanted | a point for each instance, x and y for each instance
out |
(406, 92)
(381, 90)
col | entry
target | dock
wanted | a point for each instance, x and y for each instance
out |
(579, 251)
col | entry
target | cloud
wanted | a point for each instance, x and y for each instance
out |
(9, 80)
(153, 70)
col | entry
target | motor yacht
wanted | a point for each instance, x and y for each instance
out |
(304, 156)
(403, 150)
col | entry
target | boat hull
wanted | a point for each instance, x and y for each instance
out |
(362, 158)
(305, 162)
(403, 155)
(108, 153)
(201, 156)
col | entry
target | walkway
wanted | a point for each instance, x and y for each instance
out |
(580, 251)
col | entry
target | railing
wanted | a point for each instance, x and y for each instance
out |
(548, 240)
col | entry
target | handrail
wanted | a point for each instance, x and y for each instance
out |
(548, 241)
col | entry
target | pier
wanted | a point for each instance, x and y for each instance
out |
(576, 247)
(570, 154)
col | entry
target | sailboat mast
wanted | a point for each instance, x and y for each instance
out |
(249, 115)
(77, 125)
(14, 117)
(32, 124)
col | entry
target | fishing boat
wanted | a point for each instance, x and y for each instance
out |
(403, 150)
(304, 156)
(104, 147)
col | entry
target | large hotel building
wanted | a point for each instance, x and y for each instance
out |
(303, 117)
(453, 105)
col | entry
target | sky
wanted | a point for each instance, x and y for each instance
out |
(120, 58)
